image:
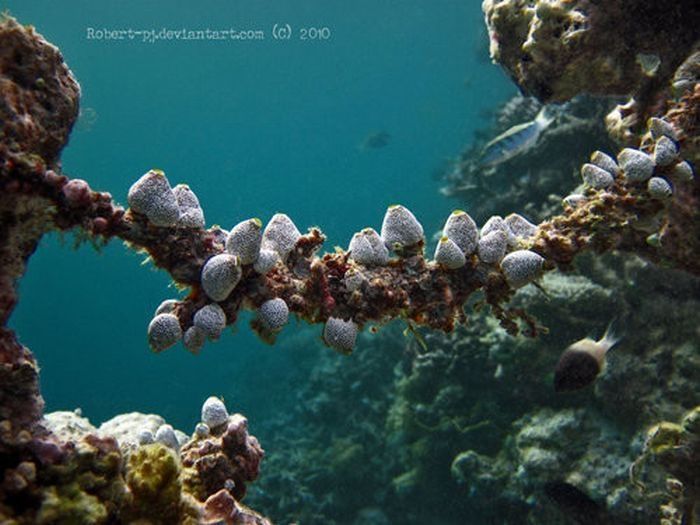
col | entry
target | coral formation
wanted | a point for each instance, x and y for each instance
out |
(557, 49)
(59, 469)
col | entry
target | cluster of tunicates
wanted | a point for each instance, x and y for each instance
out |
(658, 170)
(246, 244)
(164, 206)
(497, 243)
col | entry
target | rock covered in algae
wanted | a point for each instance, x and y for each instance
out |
(40, 94)
(555, 49)
(154, 482)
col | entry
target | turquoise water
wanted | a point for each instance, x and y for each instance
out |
(254, 128)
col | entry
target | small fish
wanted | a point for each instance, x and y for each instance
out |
(516, 140)
(582, 361)
(575, 503)
(376, 140)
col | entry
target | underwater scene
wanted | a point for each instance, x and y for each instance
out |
(350, 263)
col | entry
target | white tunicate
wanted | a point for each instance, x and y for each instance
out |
(596, 177)
(605, 162)
(492, 247)
(400, 228)
(194, 339)
(214, 413)
(665, 152)
(166, 307)
(461, 229)
(201, 430)
(659, 188)
(191, 213)
(152, 196)
(145, 437)
(244, 240)
(163, 332)
(661, 128)
(574, 200)
(448, 254)
(166, 435)
(683, 171)
(638, 166)
(521, 267)
(367, 248)
(274, 313)
(354, 279)
(280, 235)
(520, 227)
(211, 319)
(495, 223)
(340, 334)
(266, 261)
(220, 275)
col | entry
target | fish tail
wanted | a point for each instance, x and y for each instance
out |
(544, 118)
(610, 337)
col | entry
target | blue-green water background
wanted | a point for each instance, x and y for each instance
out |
(254, 128)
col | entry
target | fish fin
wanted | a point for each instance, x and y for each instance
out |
(542, 289)
(545, 117)
(610, 337)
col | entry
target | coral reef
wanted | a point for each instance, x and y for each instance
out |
(557, 49)
(645, 203)
(469, 425)
(68, 471)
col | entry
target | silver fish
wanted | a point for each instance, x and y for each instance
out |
(516, 140)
